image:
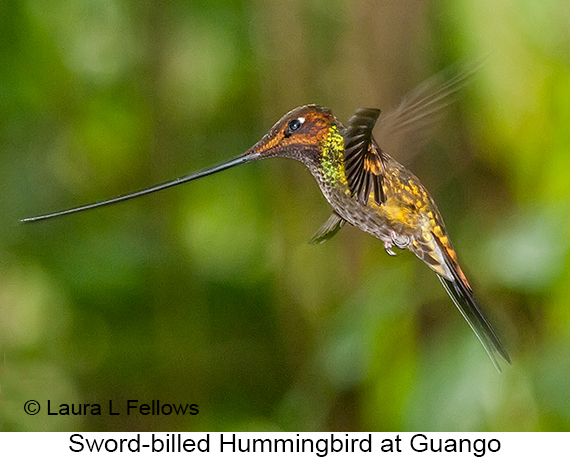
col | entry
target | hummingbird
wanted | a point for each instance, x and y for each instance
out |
(365, 186)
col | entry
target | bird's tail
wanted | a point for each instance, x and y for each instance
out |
(459, 290)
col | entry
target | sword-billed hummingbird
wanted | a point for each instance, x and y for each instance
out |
(365, 186)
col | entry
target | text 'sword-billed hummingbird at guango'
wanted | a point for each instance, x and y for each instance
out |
(365, 186)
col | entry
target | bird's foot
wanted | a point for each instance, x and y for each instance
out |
(388, 247)
(400, 241)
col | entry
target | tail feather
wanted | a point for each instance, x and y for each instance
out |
(463, 298)
(460, 292)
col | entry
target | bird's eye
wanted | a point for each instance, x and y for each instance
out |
(294, 125)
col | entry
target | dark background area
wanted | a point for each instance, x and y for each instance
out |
(208, 293)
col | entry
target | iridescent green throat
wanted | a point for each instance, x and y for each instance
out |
(332, 158)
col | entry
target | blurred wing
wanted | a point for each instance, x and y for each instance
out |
(329, 229)
(362, 157)
(408, 126)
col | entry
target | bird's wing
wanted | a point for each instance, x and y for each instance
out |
(329, 229)
(405, 129)
(363, 158)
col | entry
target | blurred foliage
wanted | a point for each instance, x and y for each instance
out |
(209, 293)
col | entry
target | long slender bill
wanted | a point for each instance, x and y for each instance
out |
(244, 158)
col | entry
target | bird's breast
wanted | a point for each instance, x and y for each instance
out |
(405, 212)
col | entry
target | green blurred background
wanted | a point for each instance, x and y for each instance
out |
(209, 293)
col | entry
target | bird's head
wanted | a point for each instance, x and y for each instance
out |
(300, 134)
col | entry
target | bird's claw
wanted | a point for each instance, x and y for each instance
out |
(400, 241)
(388, 247)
